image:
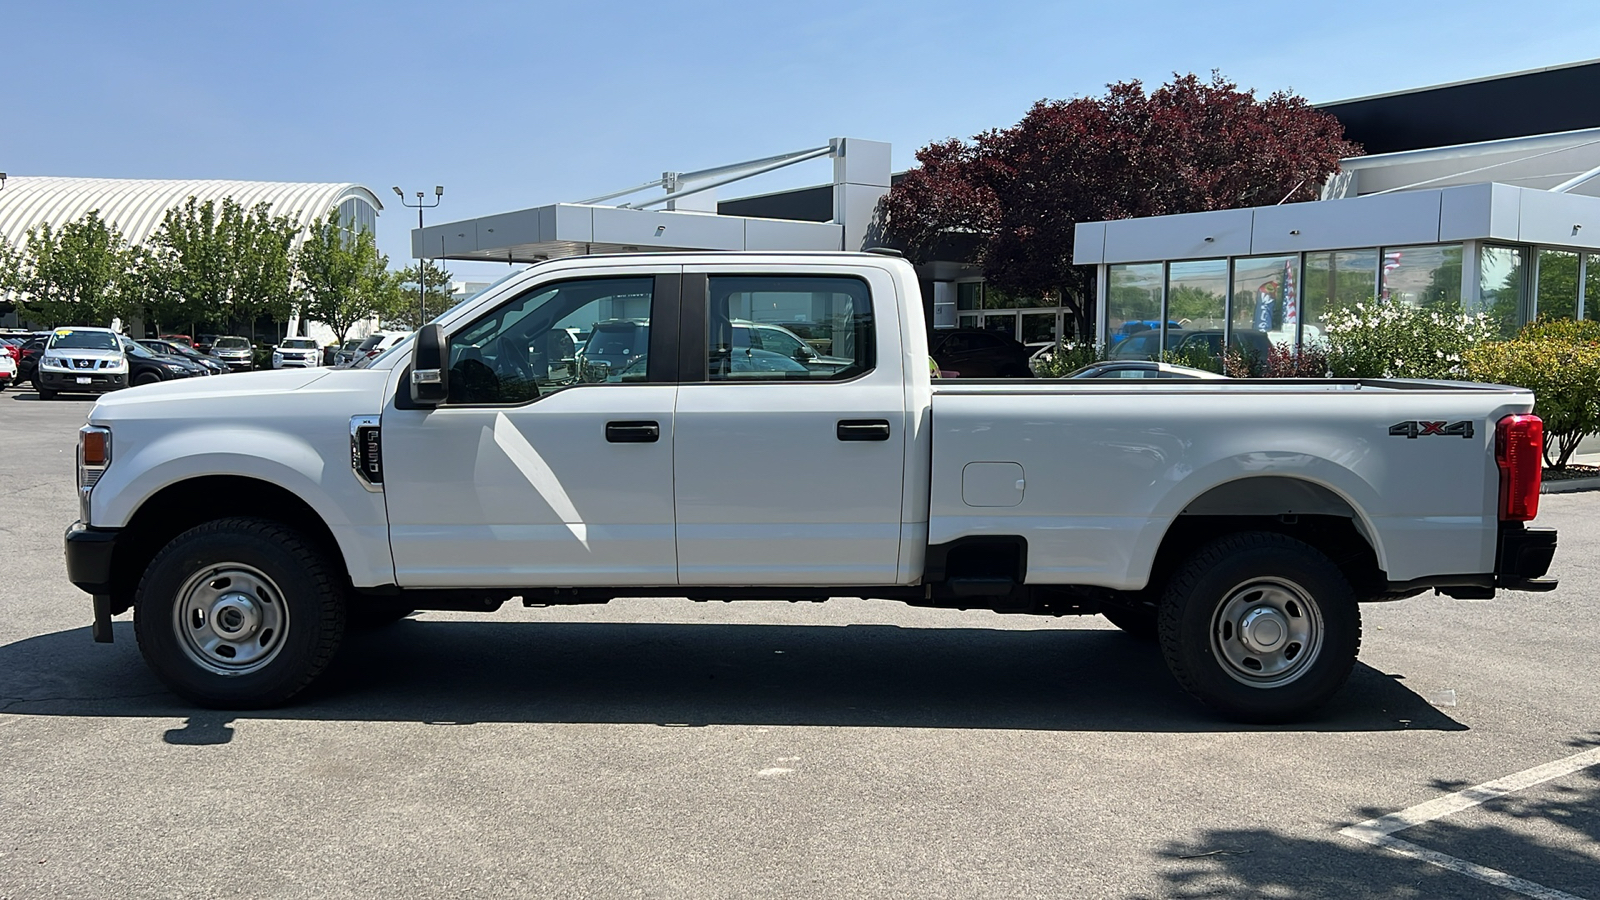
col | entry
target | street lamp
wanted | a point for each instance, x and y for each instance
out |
(422, 272)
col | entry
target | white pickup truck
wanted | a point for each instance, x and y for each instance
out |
(649, 425)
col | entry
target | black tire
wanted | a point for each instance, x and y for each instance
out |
(146, 378)
(43, 393)
(1139, 622)
(1294, 592)
(299, 609)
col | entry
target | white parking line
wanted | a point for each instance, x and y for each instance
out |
(1380, 832)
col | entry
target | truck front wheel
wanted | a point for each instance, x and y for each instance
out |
(239, 613)
(1260, 626)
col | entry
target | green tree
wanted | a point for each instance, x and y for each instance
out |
(344, 277)
(223, 263)
(82, 273)
(403, 313)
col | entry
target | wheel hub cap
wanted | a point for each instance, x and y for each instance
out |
(1263, 629)
(1266, 633)
(230, 619)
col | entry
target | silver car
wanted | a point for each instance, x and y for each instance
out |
(236, 352)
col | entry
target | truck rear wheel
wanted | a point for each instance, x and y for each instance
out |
(1260, 626)
(239, 613)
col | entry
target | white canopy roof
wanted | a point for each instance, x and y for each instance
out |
(136, 206)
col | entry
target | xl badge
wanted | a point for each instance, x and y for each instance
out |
(1415, 430)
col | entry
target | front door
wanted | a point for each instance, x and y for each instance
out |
(789, 471)
(551, 462)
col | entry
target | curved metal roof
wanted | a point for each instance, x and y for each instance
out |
(136, 206)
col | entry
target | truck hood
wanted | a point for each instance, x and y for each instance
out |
(299, 397)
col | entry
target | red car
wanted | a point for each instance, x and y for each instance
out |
(178, 339)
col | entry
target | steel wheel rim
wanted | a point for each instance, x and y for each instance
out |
(230, 619)
(1267, 632)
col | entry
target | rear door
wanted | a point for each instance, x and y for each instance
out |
(786, 474)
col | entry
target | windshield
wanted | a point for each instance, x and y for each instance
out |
(70, 339)
(231, 343)
(299, 344)
(369, 361)
(134, 349)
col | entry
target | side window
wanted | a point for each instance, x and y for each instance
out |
(556, 336)
(789, 328)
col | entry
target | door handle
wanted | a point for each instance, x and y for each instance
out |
(863, 429)
(633, 432)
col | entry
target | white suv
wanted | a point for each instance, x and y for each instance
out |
(81, 361)
(297, 352)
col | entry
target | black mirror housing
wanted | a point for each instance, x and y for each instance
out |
(430, 375)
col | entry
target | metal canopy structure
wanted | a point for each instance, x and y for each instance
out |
(1542, 162)
(860, 179)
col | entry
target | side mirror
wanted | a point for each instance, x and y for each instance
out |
(430, 376)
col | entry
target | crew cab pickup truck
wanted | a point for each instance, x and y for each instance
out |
(489, 457)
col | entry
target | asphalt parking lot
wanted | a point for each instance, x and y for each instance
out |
(654, 748)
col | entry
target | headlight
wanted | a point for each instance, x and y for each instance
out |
(94, 454)
(174, 367)
(52, 362)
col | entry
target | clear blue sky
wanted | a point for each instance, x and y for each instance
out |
(512, 105)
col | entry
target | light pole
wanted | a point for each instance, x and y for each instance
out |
(422, 272)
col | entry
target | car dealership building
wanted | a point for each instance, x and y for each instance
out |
(1481, 196)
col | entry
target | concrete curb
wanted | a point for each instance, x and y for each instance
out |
(1570, 486)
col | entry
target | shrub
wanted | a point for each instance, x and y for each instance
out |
(1068, 357)
(1194, 356)
(1559, 360)
(1384, 339)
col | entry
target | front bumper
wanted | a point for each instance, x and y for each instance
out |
(72, 382)
(89, 555)
(236, 365)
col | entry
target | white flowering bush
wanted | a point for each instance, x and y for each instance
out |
(1384, 339)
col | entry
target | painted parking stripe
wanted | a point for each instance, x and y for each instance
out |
(1380, 832)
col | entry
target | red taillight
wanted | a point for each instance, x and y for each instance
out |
(1519, 451)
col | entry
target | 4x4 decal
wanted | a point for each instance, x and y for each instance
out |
(1424, 429)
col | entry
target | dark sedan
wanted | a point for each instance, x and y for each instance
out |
(172, 348)
(148, 367)
(972, 353)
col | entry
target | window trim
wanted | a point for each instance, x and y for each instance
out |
(665, 299)
(694, 326)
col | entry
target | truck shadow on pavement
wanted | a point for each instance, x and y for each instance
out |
(698, 674)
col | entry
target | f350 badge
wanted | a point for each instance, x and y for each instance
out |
(1415, 430)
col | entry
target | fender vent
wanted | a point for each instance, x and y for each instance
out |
(366, 451)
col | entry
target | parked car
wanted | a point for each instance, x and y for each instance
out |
(1136, 326)
(182, 339)
(81, 361)
(145, 366)
(8, 371)
(1141, 368)
(297, 352)
(780, 340)
(28, 360)
(1144, 345)
(345, 354)
(203, 342)
(374, 344)
(974, 353)
(237, 352)
(11, 347)
(613, 345)
(170, 348)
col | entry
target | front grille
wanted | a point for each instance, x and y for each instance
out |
(83, 364)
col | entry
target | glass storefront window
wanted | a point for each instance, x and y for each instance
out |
(1133, 302)
(1266, 301)
(1427, 276)
(1502, 286)
(1557, 295)
(1335, 281)
(1038, 327)
(994, 298)
(969, 295)
(1004, 323)
(967, 322)
(1197, 294)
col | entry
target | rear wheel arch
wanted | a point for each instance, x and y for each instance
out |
(1299, 508)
